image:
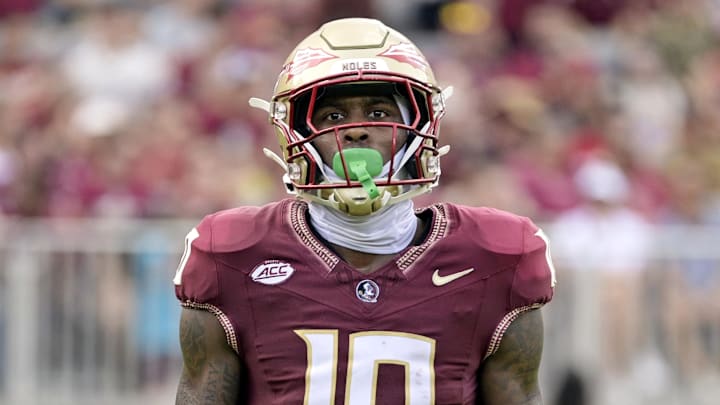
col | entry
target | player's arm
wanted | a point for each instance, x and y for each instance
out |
(510, 375)
(212, 370)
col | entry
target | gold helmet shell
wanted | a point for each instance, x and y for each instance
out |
(350, 45)
(357, 52)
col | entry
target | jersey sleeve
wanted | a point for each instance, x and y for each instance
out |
(196, 278)
(534, 279)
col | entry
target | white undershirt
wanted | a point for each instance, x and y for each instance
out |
(387, 231)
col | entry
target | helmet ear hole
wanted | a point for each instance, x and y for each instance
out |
(411, 168)
(422, 102)
(414, 97)
(298, 113)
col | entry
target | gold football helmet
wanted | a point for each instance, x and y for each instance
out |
(346, 53)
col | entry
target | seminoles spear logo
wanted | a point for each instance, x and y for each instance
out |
(305, 59)
(406, 53)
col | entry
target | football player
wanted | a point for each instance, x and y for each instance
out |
(345, 293)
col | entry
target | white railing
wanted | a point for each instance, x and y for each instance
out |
(87, 316)
(87, 311)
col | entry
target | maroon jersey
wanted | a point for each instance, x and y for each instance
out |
(313, 330)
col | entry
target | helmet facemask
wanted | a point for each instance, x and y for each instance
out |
(357, 180)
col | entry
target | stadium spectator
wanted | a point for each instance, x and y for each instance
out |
(606, 251)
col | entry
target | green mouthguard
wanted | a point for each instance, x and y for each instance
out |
(363, 165)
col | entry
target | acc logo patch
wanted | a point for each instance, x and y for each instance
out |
(305, 59)
(272, 272)
(406, 53)
(367, 291)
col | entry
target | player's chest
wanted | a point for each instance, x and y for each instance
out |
(440, 301)
(431, 295)
(364, 334)
(275, 288)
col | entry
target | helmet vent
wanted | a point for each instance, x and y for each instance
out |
(354, 33)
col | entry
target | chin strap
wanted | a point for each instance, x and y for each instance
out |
(275, 158)
(259, 104)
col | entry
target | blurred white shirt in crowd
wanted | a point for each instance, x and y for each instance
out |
(602, 234)
(135, 74)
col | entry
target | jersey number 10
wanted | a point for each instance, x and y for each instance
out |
(366, 352)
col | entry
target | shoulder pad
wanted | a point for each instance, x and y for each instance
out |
(495, 230)
(534, 280)
(506, 233)
(196, 279)
(196, 276)
(238, 228)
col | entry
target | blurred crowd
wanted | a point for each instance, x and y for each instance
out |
(126, 108)
(601, 118)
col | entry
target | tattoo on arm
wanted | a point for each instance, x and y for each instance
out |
(510, 376)
(192, 334)
(211, 372)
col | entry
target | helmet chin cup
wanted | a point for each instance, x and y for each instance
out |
(357, 202)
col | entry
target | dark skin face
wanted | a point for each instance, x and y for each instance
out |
(338, 110)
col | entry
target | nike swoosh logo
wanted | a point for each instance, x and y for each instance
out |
(440, 281)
